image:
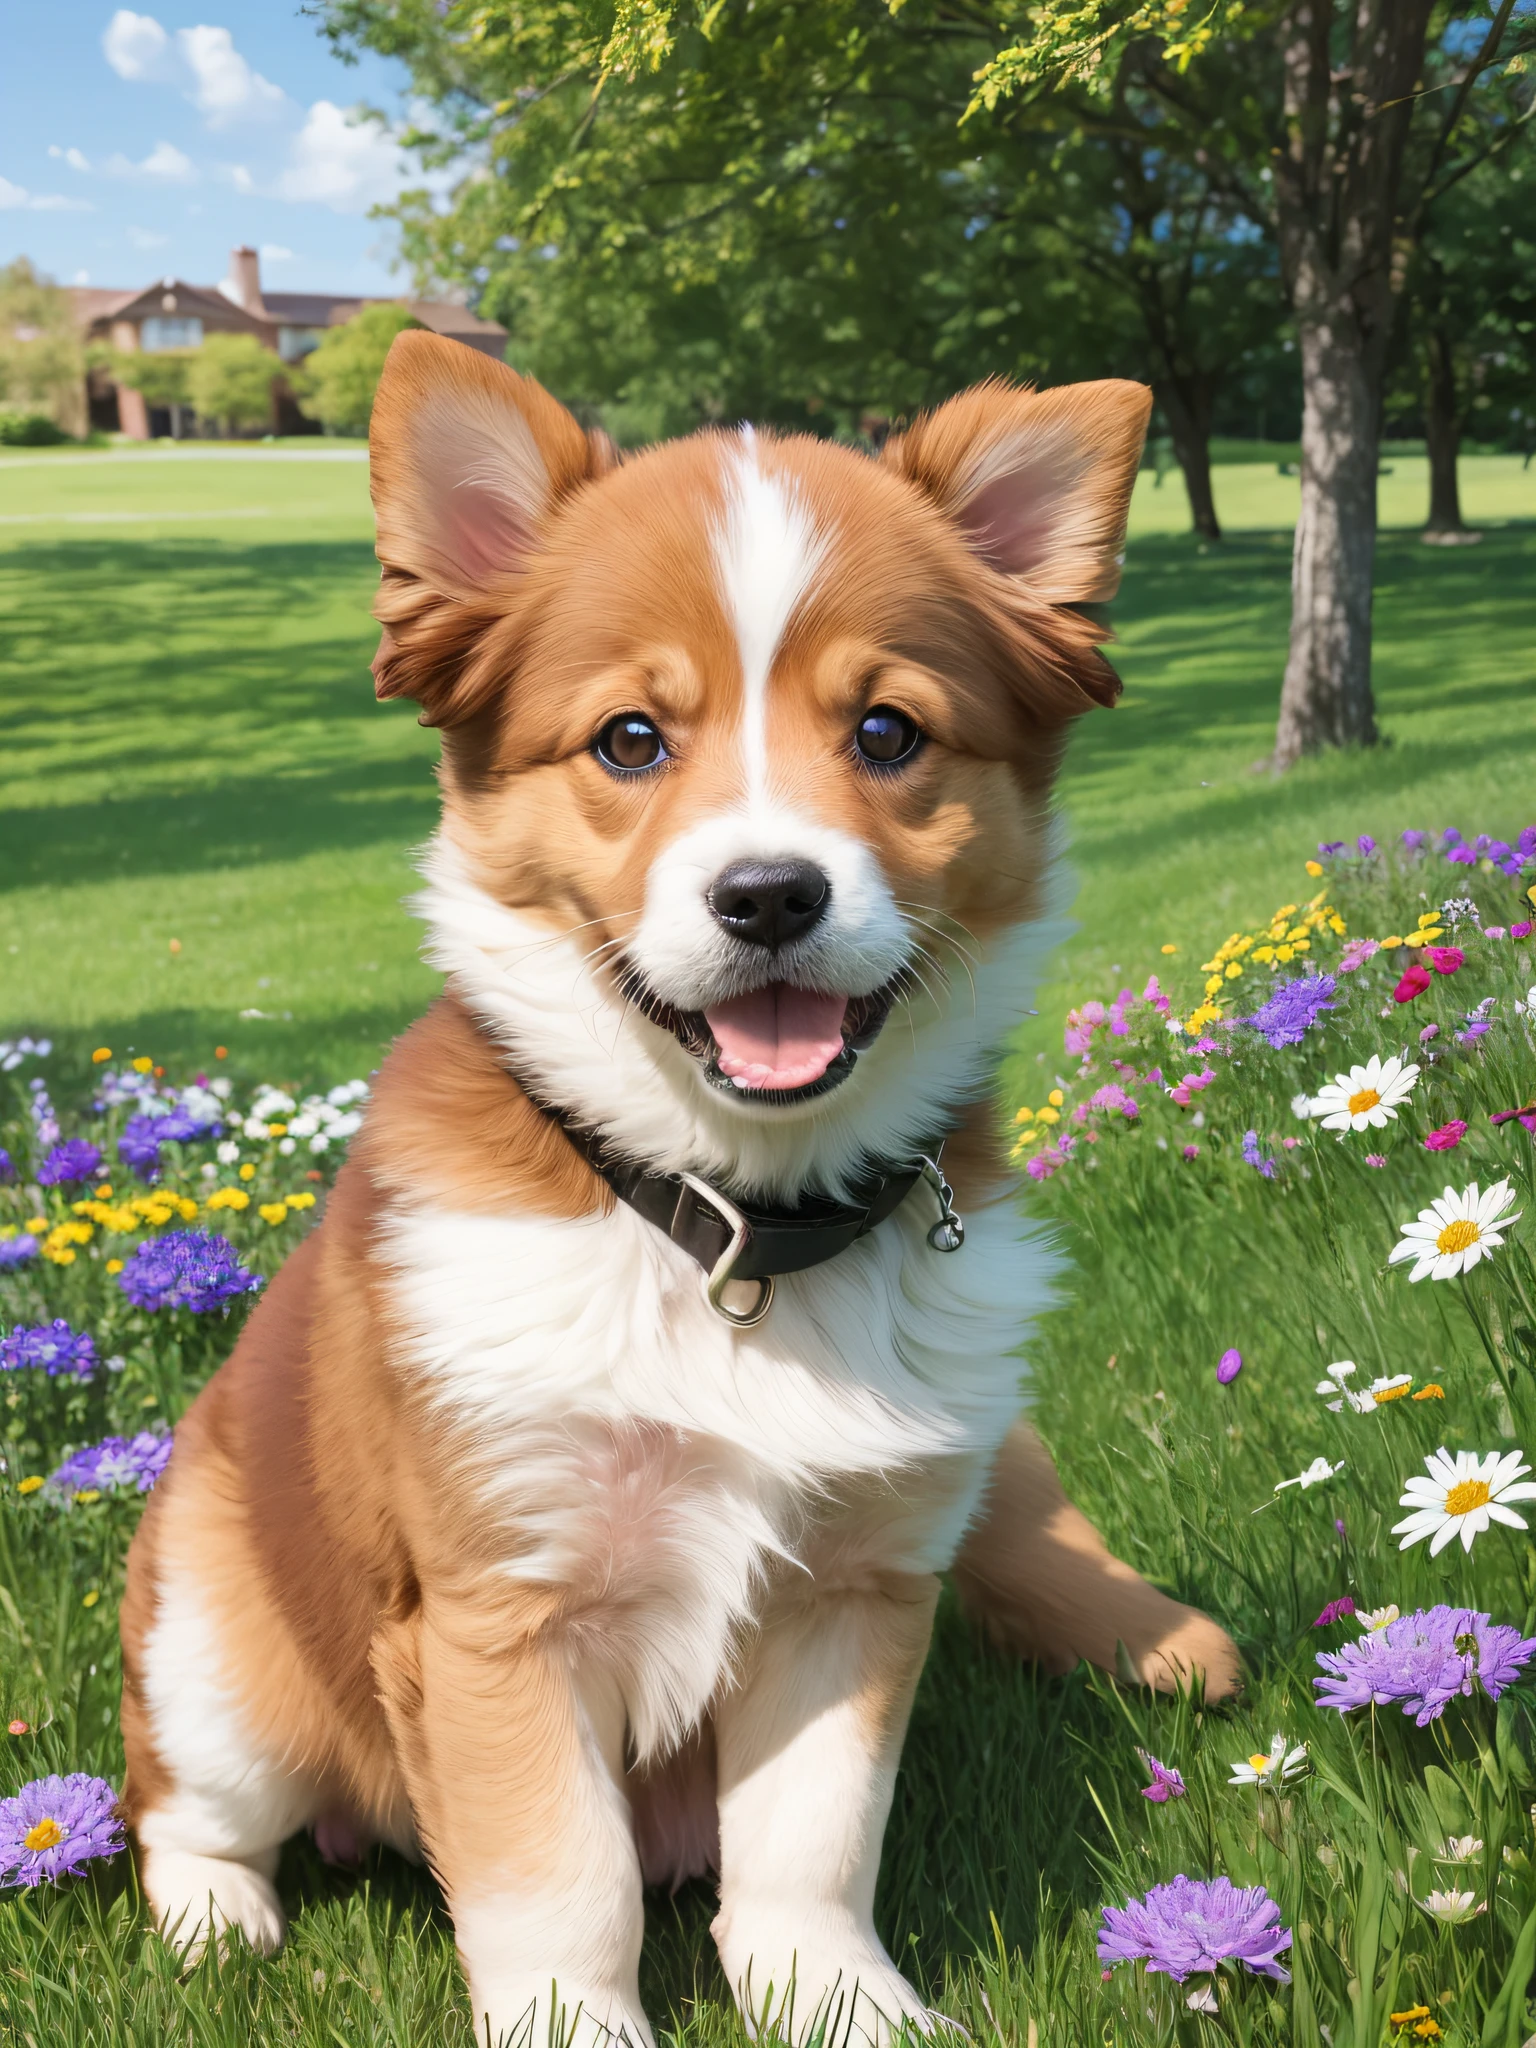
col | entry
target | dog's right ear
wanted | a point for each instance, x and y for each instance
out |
(468, 461)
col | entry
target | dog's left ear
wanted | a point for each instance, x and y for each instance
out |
(1039, 482)
(469, 462)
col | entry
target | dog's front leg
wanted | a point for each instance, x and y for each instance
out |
(808, 1749)
(514, 1758)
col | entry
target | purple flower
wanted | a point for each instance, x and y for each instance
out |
(1113, 1096)
(76, 1159)
(1255, 1157)
(1336, 1610)
(1194, 1925)
(1326, 848)
(195, 1269)
(1525, 845)
(115, 1462)
(1462, 856)
(7, 1166)
(139, 1146)
(1366, 844)
(1423, 1660)
(15, 1251)
(45, 1125)
(1191, 1151)
(1521, 931)
(1376, 1159)
(1228, 1366)
(1293, 1009)
(53, 1348)
(1166, 1784)
(54, 1825)
(1413, 840)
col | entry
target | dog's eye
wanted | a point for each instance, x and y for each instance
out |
(630, 743)
(885, 736)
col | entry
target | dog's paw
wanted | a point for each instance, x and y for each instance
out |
(1193, 1644)
(800, 1984)
(196, 1899)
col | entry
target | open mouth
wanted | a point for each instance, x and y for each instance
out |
(777, 1044)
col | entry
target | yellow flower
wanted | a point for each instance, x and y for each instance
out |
(1314, 868)
(1531, 893)
(1427, 918)
(104, 1192)
(1303, 945)
(37, 1225)
(1432, 933)
(230, 1198)
(1387, 945)
(1169, 949)
(1055, 1098)
(31, 1485)
(91, 1598)
(1048, 1116)
(1025, 1138)
(91, 1493)
(1414, 2012)
(1234, 969)
(102, 1052)
(1213, 984)
(142, 1065)
(277, 1130)
(247, 1172)
(1413, 939)
(1432, 1392)
(1336, 924)
(1023, 1116)
(1285, 952)
(1263, 955)
(300, 1201)
(272, 1212)
(187, 1208)
(114, 1265)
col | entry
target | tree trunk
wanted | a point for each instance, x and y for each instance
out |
(1188, 414)
(1442, 433)
(1326, 697)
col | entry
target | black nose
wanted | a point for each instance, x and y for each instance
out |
(768, 903)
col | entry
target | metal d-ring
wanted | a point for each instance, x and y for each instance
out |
(720, 1275)
(948, 1234)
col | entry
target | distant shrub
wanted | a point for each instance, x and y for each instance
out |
(30, 430)
(336, 383)
(230, 381)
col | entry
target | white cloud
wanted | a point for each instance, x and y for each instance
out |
(15, 198)
(165, 161)
(203, 61)
(81, 277)
(73, 157)
(144, 238)
(274, 252)
(225, 88)
(138, 48)
(342, 162)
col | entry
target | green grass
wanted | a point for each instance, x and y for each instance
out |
(191, 751)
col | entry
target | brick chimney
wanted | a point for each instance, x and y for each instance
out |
(245, 276)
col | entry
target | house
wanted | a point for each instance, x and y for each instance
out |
(172, 314)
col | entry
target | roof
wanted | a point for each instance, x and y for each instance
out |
(281, 309)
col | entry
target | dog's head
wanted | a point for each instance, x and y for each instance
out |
(747, 741)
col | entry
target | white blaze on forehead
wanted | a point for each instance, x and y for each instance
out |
(767, 551)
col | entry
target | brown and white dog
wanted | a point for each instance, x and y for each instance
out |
(497, 1537)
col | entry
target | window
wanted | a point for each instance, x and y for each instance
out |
(294, 343)
(159, 334)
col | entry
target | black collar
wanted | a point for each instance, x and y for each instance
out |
(736, 1239)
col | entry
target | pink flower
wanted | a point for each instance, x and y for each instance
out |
(1521, 931)
(1447, 1138)
(1228, 1366)
(1191, 1085)
(1191, 1151)
(1430, 1031)
(1526, 1115)
(1081, 1025)
(1444, 959)
(1494, 931)
(1290, 1144)
(1356, 953)
(1375, 1159)
(1413, 983)
(1336, 1610)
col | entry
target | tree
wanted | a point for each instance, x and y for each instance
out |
(336, 382)
(230, 381)
(42, 360)
(162, 377)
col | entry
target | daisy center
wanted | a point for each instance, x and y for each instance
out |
(1362, 1100)
(1459, 1236)
(1470, 1494)
(44, 1836)
(1391, 1394)
(1259, 1763)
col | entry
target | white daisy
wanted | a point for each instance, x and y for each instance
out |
(1451, 1907)
(1458, 1849)
(1451, 1235)
(1315, 1474)
(1274, 1769)
(1377, 1617)
(1461, 1497)
(1377, 1395)
(1365, 1097)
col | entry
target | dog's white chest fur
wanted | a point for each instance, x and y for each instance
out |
(655, 1463)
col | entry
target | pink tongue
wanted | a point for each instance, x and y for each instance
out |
(778, 1037)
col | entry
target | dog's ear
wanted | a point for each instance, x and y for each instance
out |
(1039, 482)
(468, 460)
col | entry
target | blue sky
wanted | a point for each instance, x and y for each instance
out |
(137, 146)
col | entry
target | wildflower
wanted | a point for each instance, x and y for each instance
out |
(1477, 1023)
(1366, 844)
(15, 1251)
(1192, 1925)
(18, 1728)
(1293, 1008)
(1413, 840)
(1166, 1783)
(76, 1159)
(1379, 1394)
(229, 1198)
(1355, 955)
(1365, 1097)
(53, 1348)
(1522, 930)
(1336, 1610)
(139, 1146)
(1458, 1849)
(1422, 1661)
(1191, 1151)
(116, 1462)
(1453, 1233)
(1417, 2017)
(1413, 983)
(1431, 1392)
(1452, 1907)
(1254, 1157)
(193, 1269)
(1447, 1138)
(1445, 959)
(1461, 1496)
(1081, 1025)
(54, 1825)
(1228, 1366)
(1277, 1768)
(1315, 1474)
(273, 1212)
(1376, 1159)
(1191, 1084)
(1376, 1618)
(1525, 1115)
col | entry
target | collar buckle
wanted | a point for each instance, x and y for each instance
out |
(718, 1278)
(948, 1234)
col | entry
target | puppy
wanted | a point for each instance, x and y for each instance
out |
(572, 1508)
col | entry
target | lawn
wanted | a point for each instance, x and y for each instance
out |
(192, 753)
